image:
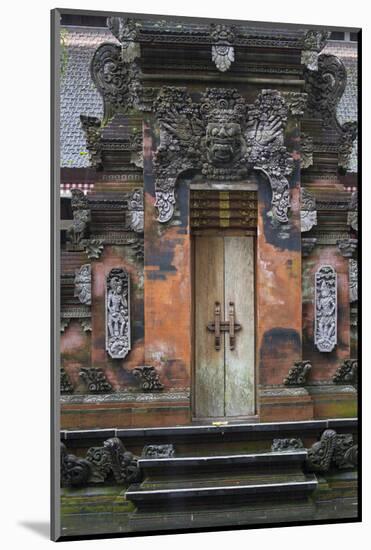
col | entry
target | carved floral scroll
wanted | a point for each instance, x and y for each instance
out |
(118, 342)
(325, 330)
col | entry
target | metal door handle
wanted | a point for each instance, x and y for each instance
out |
(219, 326)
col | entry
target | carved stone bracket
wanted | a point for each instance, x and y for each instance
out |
(158, 451)
(308, 212)
(307, 245)
(332, 448)
(148, 378)
(325, 329)
(298, 374)
(118, 333)
(95, 380)
(222, 50)
(347, 247)
(287, 444)
(313, 42)
(353, 280)
(225, 139)
(347, 373)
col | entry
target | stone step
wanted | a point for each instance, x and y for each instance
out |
(234, 488)
(250, 460)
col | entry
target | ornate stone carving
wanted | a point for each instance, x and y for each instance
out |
(135, 212)
(298, 374)
(347, 247)
(225, 139)
(83, 284)
(65, 384)
(126, 32)
(81, 217)
(148, 378)
(296, 102)
(74, 471)
(222, 51)
(320, 454)
(118, 334)
(353, 280)
(117, 80)
(136, 145)
(307, 245)
(346, 452)
(353, 211)
(95, 380)
(65, 321)
(158, 451)
(93, 248)
(86, 324)
(112, 458)
(308, 213)
(347, 373)
(313, 42)
(92, 127)
(287, 444)
(306, 150)
(325, 329)
(347, 136)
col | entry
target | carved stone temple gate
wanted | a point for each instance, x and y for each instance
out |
(210, 273)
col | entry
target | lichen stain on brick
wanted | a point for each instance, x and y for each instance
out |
(278, 350)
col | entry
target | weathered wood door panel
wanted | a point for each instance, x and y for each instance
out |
(224, 378)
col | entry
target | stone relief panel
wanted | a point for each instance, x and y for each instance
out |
(325, 330)
(353, 280)
(83, 284)
(118, 341)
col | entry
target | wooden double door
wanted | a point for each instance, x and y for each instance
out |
(224, 327)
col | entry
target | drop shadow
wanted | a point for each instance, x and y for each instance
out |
(42, 528)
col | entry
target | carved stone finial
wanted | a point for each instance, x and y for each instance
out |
(347, 373)
(118, 333)
(158, 451)
(65, 384)
(307, 245)
(286, 444)
(313, 42)
(222, 50)
(95, 380)
(347, 247)
(148, 378)
(83, 284)
(298, 374)
(353, 280)
(325, 329)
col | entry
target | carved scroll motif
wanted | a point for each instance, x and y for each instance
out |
(325, 330)
(118, 341)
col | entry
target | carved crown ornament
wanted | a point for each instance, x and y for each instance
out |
(224, 138)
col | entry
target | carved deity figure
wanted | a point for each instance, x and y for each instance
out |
(117, 306)
(326, 312)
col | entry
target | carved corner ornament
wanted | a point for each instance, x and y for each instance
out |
(118, 334)
(95, 380)
(298, 374)
(100, 463)
(65, 384)
(158, 451)
(148, 378)
(347, 247)
(332, 448)
(325, 320)
(225, 139)
(286, 444)
(347, 373)
(222, 50)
